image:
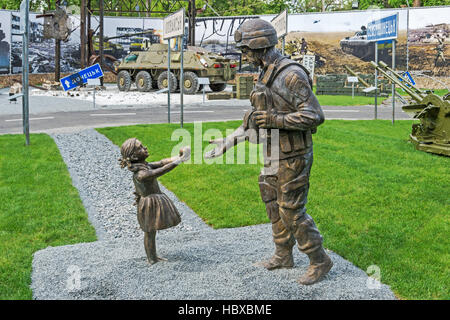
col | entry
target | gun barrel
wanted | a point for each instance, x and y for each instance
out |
(413, 94)
(356, 75)
(128, 35)
(412, 88)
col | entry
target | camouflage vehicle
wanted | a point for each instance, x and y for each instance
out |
(432, 133)
(148, 69)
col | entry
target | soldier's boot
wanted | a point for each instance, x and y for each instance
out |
(284, 242)
(309, 242)
(320, 265)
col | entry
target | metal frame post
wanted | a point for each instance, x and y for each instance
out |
(407, 36)
(393, 83)
(168, 80)
(57, 59)
(57, 53)
(83, 33)
(25, 71)
(88, 27)
(101, 7)
(181, 80)
(192, 11)
(353, 90)
(376, 80)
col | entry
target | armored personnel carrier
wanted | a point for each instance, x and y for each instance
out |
(148, 69)
(432, 133)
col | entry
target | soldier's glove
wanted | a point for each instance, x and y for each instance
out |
(268, 121)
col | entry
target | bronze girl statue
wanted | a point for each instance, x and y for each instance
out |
(155, 211)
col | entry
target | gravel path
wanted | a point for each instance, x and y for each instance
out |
(202, 263)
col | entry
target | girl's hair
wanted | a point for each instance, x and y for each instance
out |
(127, 151)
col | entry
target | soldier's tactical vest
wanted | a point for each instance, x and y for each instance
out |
(291, 142)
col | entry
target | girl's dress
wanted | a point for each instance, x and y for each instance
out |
(155, 211)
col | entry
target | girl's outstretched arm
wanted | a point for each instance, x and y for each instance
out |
(161, 163)
(185, 152)
(151, 173)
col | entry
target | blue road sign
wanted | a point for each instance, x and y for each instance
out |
(408, 75)
(77, 79)
(407, 78)
(383, 29)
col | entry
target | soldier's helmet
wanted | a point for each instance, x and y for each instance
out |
(256, 34)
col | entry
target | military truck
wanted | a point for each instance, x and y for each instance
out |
(148, 69)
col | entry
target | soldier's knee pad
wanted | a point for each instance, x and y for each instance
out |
(267, 188)
(272, 210)
(269, 196)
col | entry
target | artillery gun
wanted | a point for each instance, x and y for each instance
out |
(432, 134)
(381, 86)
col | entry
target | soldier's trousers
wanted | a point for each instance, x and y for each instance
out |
(285, 194)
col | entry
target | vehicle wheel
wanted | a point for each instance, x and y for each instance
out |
(216, 87)
(162, 81)
(124, 80)
(143, 81)
(190, 85)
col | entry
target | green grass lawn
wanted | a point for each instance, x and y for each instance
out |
(376, 200)
(39, 207)
(330, 100)
(439, 92)
(343, 100)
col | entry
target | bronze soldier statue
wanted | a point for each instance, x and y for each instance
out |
(282, 99)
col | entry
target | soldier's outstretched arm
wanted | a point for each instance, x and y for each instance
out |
(222, 145)
(239, 135)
